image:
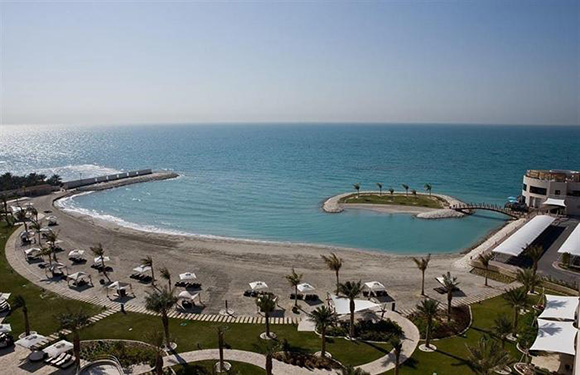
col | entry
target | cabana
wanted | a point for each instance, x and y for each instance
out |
(188, 298)
(56, 268)
(527, 234)
(305, 288)
(120, 288)
(76, 255)
(32, 253)
(98, 261)
(79, 278)
(32, 340)
(560, 307)
(52, 220)
(258, 285)
(185, 278)
(139, 273)
(4, 305)
(341, 305)
(555, 337)
(58, 348)
(306, 292)
(375, 288)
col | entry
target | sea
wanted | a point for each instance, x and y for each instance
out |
(267, 182)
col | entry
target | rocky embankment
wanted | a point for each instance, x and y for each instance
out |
(155, 176)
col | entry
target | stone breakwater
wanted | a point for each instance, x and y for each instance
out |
(155, 176)
(333, 205)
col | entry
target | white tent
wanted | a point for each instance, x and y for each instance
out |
(554, 202)
(58, 348)
(342, 305)
(119, 285)
(560, 307)
(188, 296)
(99, 260)
(31, 340)
(5, 328)
(305, 288)
(32, 252)
(187, 276)
(518, 241)
(76, 254)
(142, 269)
(78, 276)
(572, 243)
(5, 295)
(375, 286)
(258, 285)
(555, 337)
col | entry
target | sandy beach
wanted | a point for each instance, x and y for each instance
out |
(225, 267)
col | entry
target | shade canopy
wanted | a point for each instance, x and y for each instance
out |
(555, 337)
(33, 251)
(560, 307)
(58, 348)
(119, 285)
(554, 202)
(305, 288)
(375, 286)
(5, 328)
(258, 285)
(572, 243)
(342, 305)
(518, 241)
(102, 259)
(142, 269)
(187, 276)
(77, 253)
(31, 340)
(77, 276)
(188, 296)
(5, 296)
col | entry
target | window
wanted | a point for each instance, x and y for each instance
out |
(538, 190)
(556, 192)
(524, 187)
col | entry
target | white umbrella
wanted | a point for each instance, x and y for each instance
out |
(100, 259)
(77, 276)
(5, 328)
(142, 269)
(58, 348)
(188, 296)
(375, 286)
(119, 285)
(258, 285)
(32, 251)
(54, 242)
(187, 276)
(76, 253)
(5, 295)
(305, 288)
(31, 340)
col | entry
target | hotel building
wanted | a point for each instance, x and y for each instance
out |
(549, 189)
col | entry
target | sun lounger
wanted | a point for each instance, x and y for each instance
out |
(53, 360)
(65, 359)
(68, 363)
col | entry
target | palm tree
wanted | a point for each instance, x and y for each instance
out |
(334, 263)
(294, 279)
(351, 290)
(516, 299)
(414, 192)
(36, 226)
(221, 331)
(406, 187)
(357, 188)
(47, 252)
(449, 284)
(428, 309)
(529, 279)
(391, 190)
(380, 186)
(502, 328)
(161, 302)
(148, 262)
(484, 259)
(74, 322)
(20, 303)
(165, 274)
(98, 251)
(155, 339)
(20, 215)
(51, 238)
(485, 357)
(267, 304)
(33, 211)
(428, 188)
(268, 349)
(351, 370)
(397, 348)
(535, 253)
(422, 265)
(323, 317)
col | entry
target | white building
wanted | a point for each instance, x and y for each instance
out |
(549, 189)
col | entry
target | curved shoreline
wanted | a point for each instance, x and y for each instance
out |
(333, 205)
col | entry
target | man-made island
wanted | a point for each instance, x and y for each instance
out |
(425, 206)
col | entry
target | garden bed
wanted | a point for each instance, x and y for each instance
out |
(460, 321)
(381, 331)
(128, 352)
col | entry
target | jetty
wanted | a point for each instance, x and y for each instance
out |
(117, 180)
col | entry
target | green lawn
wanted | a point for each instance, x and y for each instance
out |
(206, 368)
(396, 199)
(192, 335)
(43, 306)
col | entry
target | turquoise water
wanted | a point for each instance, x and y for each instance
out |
(267, 182)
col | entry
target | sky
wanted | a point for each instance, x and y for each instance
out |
(490, 62)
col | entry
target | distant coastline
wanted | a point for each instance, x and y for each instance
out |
(334, 204)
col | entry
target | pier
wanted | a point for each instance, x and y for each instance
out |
(465, 208)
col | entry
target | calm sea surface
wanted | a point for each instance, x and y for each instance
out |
(267, 182)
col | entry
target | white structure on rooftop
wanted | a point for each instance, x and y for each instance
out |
(560, 307)
(555, 337)
(518, 241)
(559, 188)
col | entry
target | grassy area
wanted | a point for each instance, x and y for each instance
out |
(43, 306)
(193, 335)
(395, 199)
(206, 368)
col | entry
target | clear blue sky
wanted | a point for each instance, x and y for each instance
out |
(512, 62)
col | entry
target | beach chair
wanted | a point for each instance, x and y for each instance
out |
(68, 363)
(63, 360)
(53, 360)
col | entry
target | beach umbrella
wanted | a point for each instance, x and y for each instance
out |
(31, 340)
(187, 276)
(33, 251)
(5, 328)
(77, 253)
(305, 288)
(100, 259)
(142, 269)
(258, 285)
(54, 242)
(375, 286)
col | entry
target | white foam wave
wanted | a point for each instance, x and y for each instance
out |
(68, 172)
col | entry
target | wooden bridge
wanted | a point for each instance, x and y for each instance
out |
(488, 207)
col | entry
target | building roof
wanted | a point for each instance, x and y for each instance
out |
(554, 202)
(555, 337)
(572, 243)
(518, 241)
(560, 307)
(342, 305)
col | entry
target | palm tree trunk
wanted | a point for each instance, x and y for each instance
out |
(152, 275)
(397, 360)
(26, 321)
(165, 321)
(158, 363)
(269, 364)
(449, 297)
(267, 315)
(486, 270)
(323, 335)
(515, 319)
(352, 306)
(428, 334)
(423, 282)
(337, 282)
(296, 295)
(221, 350)
(77, 348)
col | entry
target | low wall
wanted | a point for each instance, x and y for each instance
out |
(112, 177)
